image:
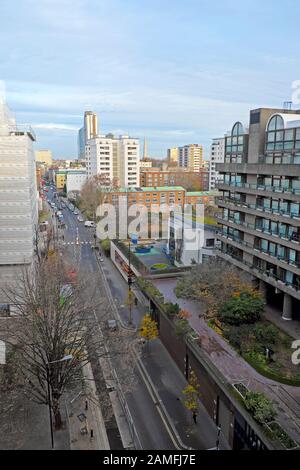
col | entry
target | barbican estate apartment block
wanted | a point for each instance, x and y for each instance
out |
(260, 223)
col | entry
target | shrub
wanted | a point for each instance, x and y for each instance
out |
(105, 245)
(266, 334)
(260, 407)
(182, 327)
(172, 309)
(242, 309)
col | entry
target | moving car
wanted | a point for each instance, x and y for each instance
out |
(89, 223)
(80, 218)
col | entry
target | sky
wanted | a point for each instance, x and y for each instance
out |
(173, 71)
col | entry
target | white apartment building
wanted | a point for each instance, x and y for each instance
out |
(191, 156)
(145, 164)
(18, 198)
(217, 155)
(75, 179)
(114, 157)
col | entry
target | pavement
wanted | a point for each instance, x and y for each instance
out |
(85, 419)
(285, 398)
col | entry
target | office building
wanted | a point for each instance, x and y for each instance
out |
(217, 155)
(18, 198)
(87, 132)
(117, 158)
(260, 222)
(75, 179)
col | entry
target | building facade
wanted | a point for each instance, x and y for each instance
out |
(217, 155)
(260, 222)
(87, 132)
(172, 155)
(175, 177)
(75, 180)
(191, 156)
(44, 156)
(18, 198)
(117, 158)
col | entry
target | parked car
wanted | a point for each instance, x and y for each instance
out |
(76, 212)
(89, 223)
(80, 218)
(101, 260)
(112, 324)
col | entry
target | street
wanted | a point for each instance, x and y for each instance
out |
(149, 426)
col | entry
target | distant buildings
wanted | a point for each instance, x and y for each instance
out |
(188, 156)
(44, 156)
(87, 132)
(146, 164)
(175, 176)
(18, 198)
(217, 155)
(114, 157)
(173, 155)
(75, 180)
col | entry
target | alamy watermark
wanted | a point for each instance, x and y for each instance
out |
(160, 221)
(296, 354)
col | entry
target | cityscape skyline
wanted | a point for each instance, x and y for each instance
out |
(138, 84)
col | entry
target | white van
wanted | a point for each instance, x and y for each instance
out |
(89, 223)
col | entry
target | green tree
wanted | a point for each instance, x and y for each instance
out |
(105, 245)
(242, 308)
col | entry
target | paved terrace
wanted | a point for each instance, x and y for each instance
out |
(286, 398)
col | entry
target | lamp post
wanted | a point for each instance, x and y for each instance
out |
(65, 358)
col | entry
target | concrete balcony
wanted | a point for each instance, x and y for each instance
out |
(268, 277)
(261, 190)
(274, 237)
(259, 211)
(260, 169)
(265, 255)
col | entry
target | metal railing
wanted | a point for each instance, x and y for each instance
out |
(258, 207)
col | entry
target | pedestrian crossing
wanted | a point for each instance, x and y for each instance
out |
(78, 243)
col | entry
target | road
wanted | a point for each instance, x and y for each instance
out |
(78, 241)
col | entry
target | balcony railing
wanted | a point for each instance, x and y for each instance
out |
(259, 207)
(252, 246)
(260, 187)
(276, 233)
(266, 273)
(279, 160)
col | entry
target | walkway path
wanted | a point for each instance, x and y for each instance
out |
(234, 367)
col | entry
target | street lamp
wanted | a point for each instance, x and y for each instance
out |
(65, 358)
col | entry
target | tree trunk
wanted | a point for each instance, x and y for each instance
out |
(57, 415)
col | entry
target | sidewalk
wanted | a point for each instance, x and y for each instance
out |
(169, 383)
(84, 422)
(292, 327)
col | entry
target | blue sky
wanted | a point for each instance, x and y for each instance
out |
(174, 71)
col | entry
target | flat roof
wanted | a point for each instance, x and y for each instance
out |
(202, 193)
(149, 189)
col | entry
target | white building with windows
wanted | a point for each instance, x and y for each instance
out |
(114, 157)
(75, 179)
(217, 155)
(18, 198)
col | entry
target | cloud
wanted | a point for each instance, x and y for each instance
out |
(55, 127)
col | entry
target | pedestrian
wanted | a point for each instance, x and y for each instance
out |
(195, 416)
(86, 405)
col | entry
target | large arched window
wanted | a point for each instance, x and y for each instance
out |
(235, 144)
(237, 129)
(276, 123)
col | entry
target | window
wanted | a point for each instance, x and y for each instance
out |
(255, 117)
(276, 122)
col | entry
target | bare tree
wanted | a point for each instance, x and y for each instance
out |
(94, 192)
(50, 324)
(56, 317)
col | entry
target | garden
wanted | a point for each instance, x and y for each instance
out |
(234, 309)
